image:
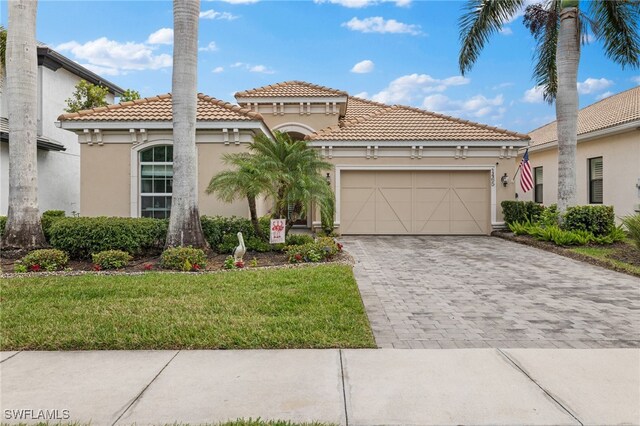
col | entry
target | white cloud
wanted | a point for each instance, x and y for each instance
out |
(363, 95)
(211, 47)
(474, 107)
(116, 57)
(589, 38)
(363, 67)
(378, 24)
(593, 85)
(410, 88)
(238, 64)
(162, 36)
(636, 79)
(260, 69)
(357, 4)
(217, 70)
(535, 95)
(502, 85)
(506, 31)
(212, 14)
(604, 95)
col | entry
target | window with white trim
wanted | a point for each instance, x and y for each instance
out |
(156, 181)
(595, 180)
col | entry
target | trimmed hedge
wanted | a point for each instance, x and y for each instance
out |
(521, 211)
(48, 219)
(599, 220)
(83, 236)
(111, 259)
(183, 259)
(45, 260)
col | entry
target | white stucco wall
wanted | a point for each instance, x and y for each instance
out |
(58, 171)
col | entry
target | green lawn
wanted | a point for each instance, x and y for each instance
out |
(603, 253)
(314, 307)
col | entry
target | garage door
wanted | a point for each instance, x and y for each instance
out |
(414, 202)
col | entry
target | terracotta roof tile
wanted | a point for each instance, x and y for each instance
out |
(358, 107)
(159, 108)
(291, 88)
(403, 123)
(609, 112)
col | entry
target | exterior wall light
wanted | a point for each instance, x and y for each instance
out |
(328, 179)
(505, 180)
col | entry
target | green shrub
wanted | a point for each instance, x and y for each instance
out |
(111, 259)
(45, 259)
(48, 218)
(82, 236)
(564, 237)
(520, 228)
(230, 242)
(220, 231)
(298, 239)
(549, 216)
(317, 251)
(183, 259)
(521, 211)
(3, 224)
(599, 220)
(632, 223)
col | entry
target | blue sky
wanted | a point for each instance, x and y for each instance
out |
(404, 51)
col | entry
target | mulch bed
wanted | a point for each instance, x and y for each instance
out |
(215, 262)
(620, 251)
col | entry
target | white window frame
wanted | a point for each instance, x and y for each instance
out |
(135, 195)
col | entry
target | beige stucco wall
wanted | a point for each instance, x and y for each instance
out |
(105, 180)
(314, 121)
(621, 171)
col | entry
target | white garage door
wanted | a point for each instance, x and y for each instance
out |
(414, 202)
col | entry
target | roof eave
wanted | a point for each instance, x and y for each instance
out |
(430, 143)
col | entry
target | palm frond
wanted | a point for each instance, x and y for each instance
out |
(481, 19)
(617, 27)
(543, 23)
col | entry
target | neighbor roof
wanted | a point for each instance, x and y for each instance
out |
(159, 108)
(402, 123)
(292, 89)
(43, 142)
(609, 112)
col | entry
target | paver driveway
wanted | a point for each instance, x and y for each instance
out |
(448, 292)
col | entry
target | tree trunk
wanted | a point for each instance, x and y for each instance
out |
(23, 229)
(567, 58)
(254, 216)
(184, 224)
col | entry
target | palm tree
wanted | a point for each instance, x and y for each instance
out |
(558, 27)
(184, 223)
(23, 229)
(294, 170)
(247, 181)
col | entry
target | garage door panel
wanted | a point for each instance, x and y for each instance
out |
(415, 202)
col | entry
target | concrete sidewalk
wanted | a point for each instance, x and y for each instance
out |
(355, 387)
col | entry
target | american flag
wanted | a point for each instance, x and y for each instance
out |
(526, 179)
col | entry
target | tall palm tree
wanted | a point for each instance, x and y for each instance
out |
(246, 180)
(184, 223)
(23, 229)
(558, 27)
(294, 169)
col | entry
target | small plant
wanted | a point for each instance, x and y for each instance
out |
(229, 263)
(599, 220)
(147, 267)
(298, 239)
(632, 223)
(317, 251)
(47, 259)
(254, 263)
(239, 264)
(97, 267)
(183, 259)
(20, 267)
(111, 259)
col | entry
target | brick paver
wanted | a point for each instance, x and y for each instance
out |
(477, 292)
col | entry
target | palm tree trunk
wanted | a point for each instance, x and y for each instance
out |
(184, 225)
(254, 217)
(567, 58)
(23, 229)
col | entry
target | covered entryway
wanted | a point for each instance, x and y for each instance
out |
(415, 202)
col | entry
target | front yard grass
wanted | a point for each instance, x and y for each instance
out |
(311, 307)
(612, 256)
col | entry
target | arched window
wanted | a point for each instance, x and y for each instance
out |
(156, 181)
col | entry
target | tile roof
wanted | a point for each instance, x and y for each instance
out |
(159, 108)
(291, 88)
(609, 112)
(358, 107)
(403, 123)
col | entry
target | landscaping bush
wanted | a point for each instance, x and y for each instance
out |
(317, 251)
(230, 242)
(521, 211)
(632, 223)
(111, 259)
(183, 259)
(3, 224)
(45, 260)
(218, 231)
(82, 236)
(599, 220)
(564, 237)
(48, 218)
(298, 239)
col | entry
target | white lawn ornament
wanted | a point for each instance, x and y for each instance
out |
(239, 251)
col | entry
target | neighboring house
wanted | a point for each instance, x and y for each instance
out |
(398, 170)
(58, 150)
(608, 156)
